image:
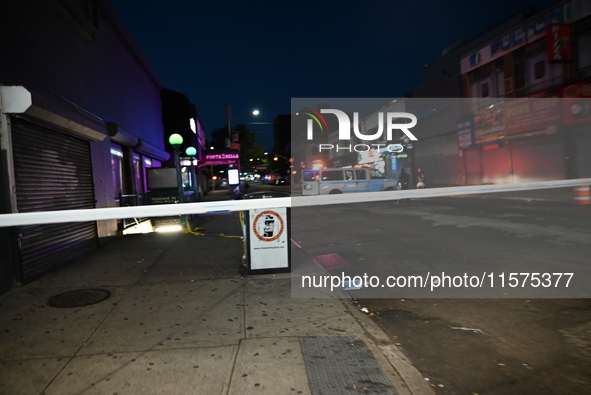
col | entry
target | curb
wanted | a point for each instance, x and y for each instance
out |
(405, 378)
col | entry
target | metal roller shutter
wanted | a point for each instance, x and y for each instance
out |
(583, 144)
(473, 166)
(496, 166)
(538, 158)
(53, 171)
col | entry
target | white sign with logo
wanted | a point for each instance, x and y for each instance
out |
(388, 126)
(268, 239)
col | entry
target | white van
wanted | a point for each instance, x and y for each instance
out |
(331, 181)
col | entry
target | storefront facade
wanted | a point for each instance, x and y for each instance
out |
(80, 120)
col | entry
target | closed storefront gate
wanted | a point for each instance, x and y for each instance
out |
(438, 158)
(496, 165)
(472, 166)
(52, 171)
(583, 146)
(539, 158)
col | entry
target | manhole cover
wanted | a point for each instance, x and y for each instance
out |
(79, 298)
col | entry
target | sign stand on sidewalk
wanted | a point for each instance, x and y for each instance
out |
(267, 238)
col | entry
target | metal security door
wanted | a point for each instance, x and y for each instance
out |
(53, 171)
(473, 166)
(539, 158)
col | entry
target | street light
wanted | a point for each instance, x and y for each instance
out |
(229, 118)
(191, 152)
(176, 140)
(277, 156)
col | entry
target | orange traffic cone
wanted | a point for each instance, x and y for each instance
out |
(582, 195)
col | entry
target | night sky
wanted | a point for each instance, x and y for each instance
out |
(260, 54)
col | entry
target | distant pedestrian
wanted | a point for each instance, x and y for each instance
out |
(236, 193)
(420, 178)
(403, 179)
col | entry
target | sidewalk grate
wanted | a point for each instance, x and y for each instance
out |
(79, 298)
(331, 261)
(342, 365)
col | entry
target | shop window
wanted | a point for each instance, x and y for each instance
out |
(543, 74)
(501, 84)
(539, 70)
(393, 164)
(117, 170)
(138, 173)
(474, 90)
(148, 163)
(484, 90)
(584, 54)
(519, 71)
(487, 82)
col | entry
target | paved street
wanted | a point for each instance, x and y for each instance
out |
(486, 238)
(466, 340)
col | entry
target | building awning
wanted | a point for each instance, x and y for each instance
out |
(53, 110)
(65, 115)
(128, 139)
(151, 150)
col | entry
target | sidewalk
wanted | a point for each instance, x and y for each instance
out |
(181, 319)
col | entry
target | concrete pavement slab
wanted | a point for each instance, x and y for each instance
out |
(107, 266)
(177, 315)
(405, 378)
(181, 371)
(269, 366)
(270, 311)
(219, 223)
(191, 257)
(30, 376)
(29, 328)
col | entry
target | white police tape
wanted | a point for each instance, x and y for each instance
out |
(362, 197)
(160, 210)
